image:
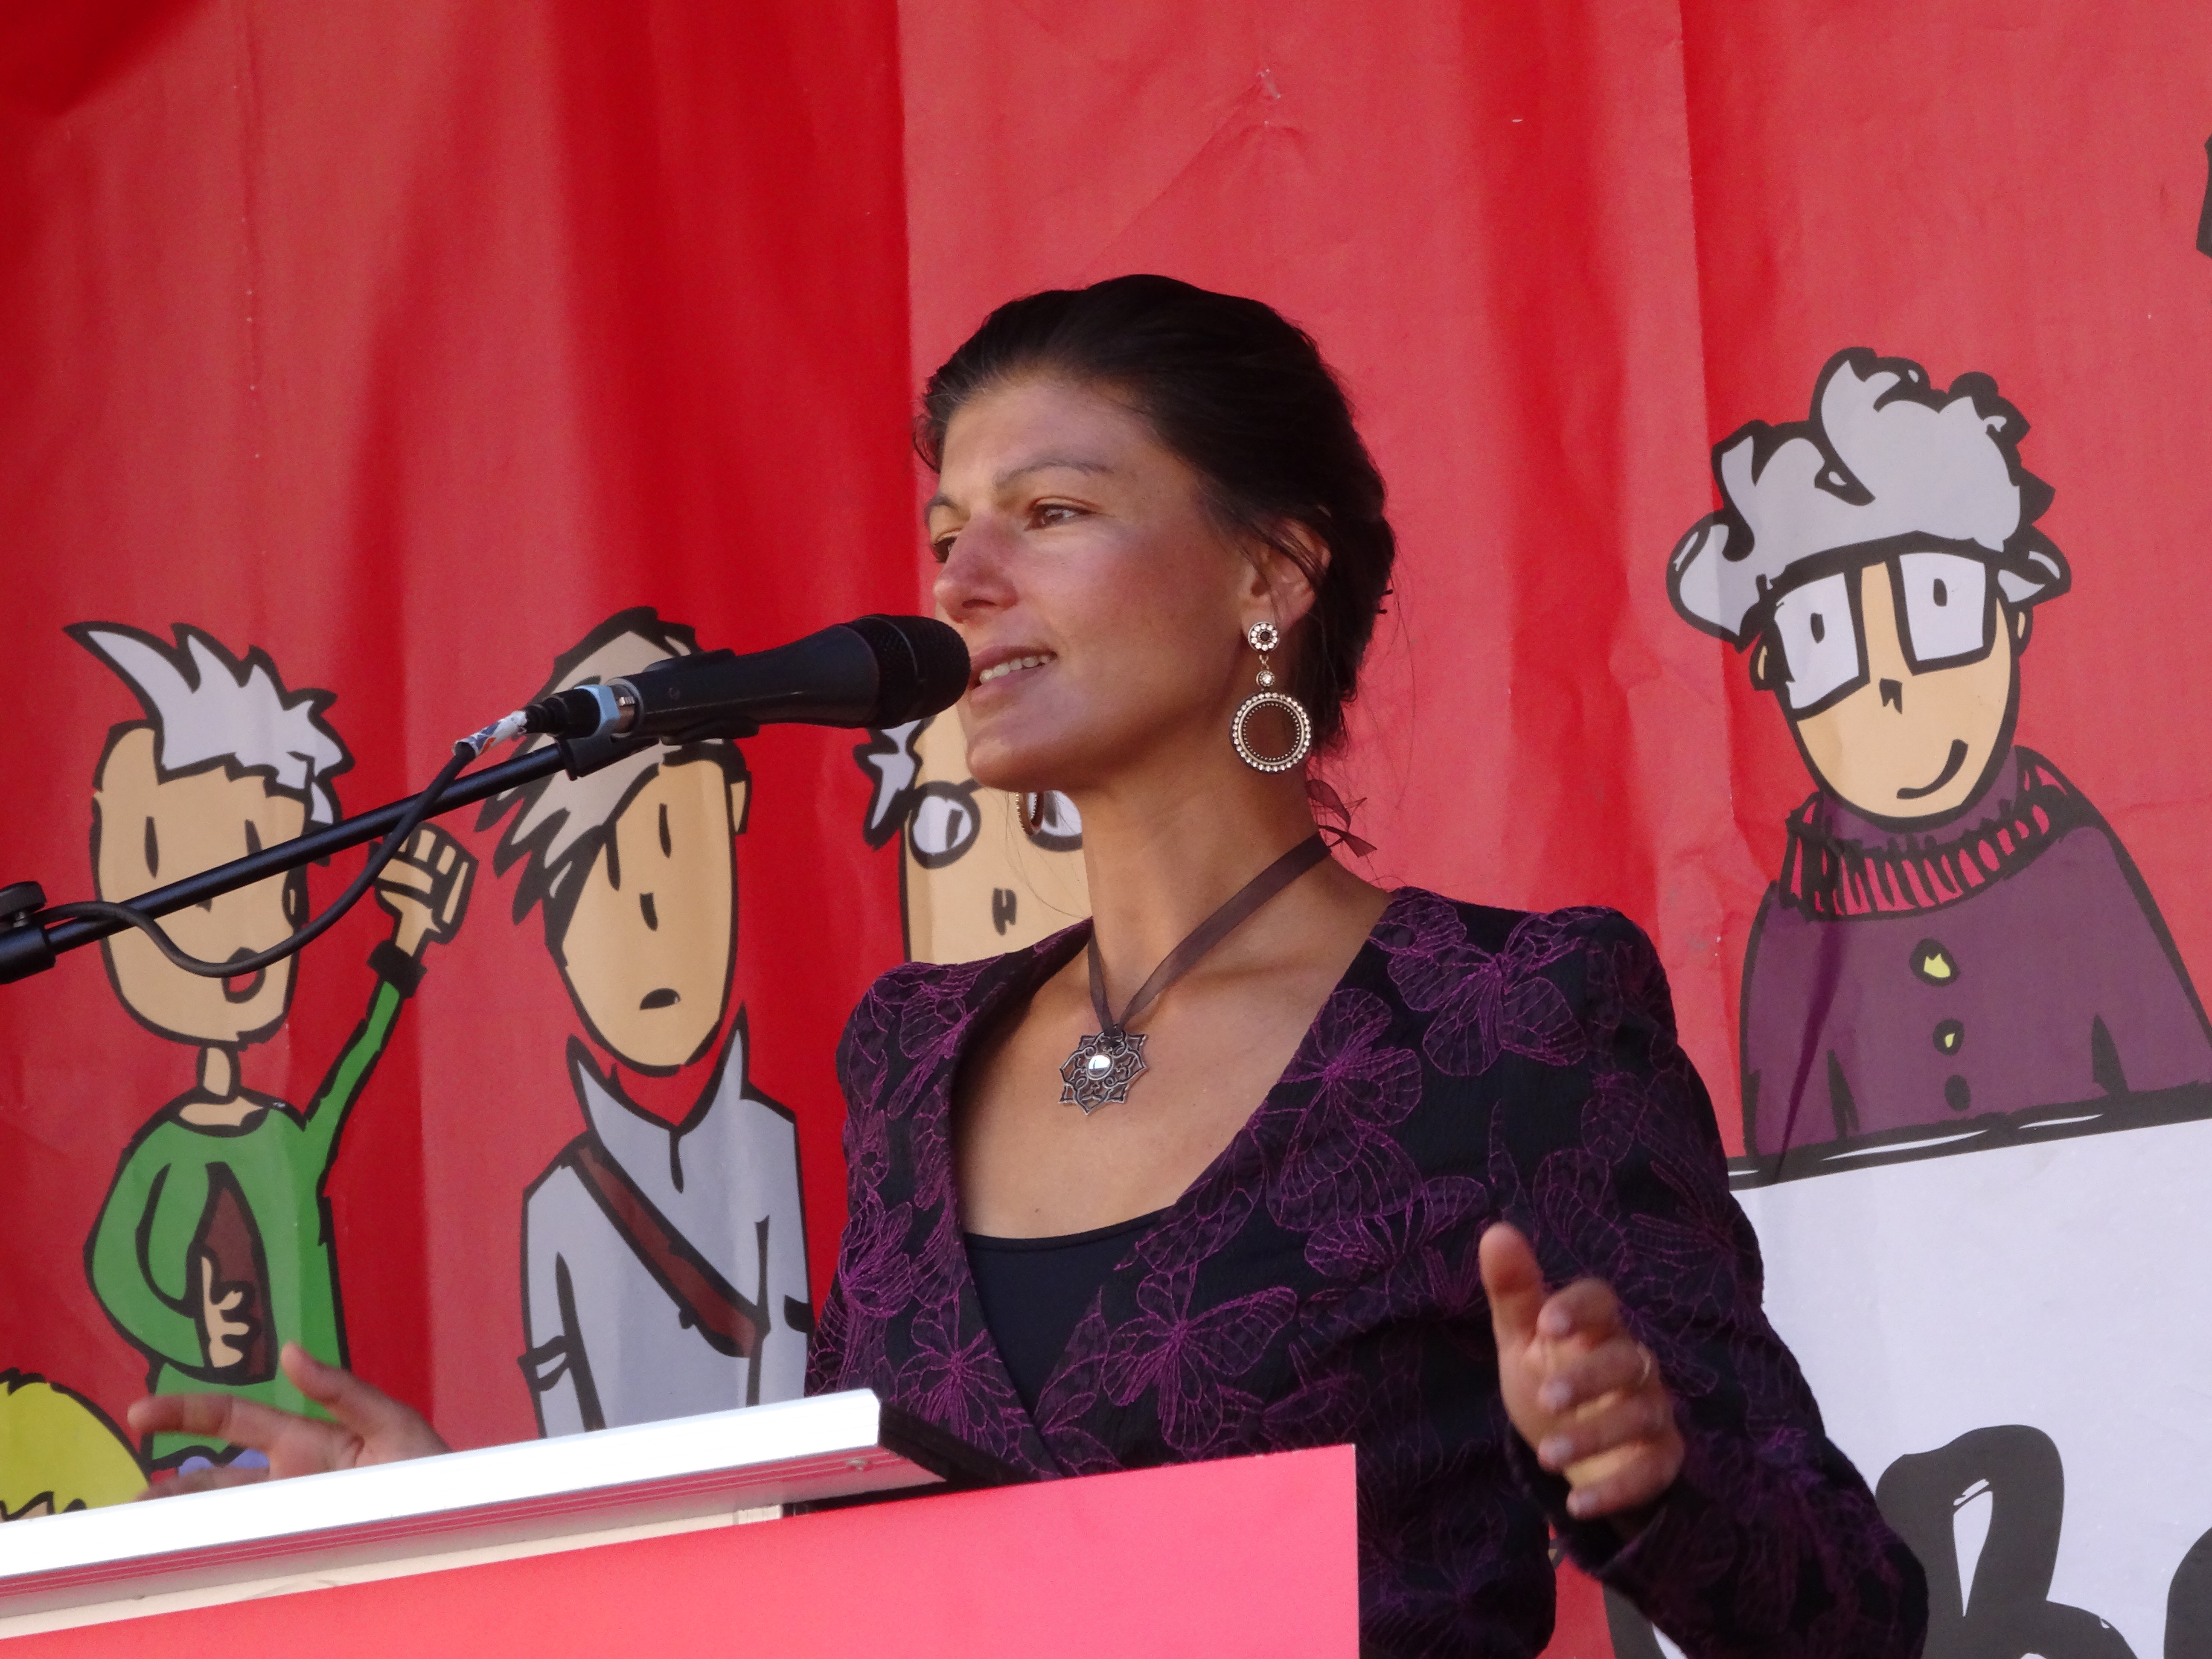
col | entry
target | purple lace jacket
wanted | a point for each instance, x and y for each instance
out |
(1317, 1284)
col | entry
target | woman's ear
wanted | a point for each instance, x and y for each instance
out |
(1760, 679)
(2023, 624)
(1287, 572)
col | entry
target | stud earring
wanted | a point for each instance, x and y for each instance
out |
(1263, 637)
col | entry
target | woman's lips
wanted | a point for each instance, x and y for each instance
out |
(243, 987)
(1010, 667)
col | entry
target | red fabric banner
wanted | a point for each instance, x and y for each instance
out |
(406, 347)
(412, 350)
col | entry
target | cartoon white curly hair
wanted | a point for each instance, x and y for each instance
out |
(1885, 460)
(206, 705)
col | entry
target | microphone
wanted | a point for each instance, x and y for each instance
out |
(872, 671)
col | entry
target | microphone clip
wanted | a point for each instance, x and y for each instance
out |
(581, 757)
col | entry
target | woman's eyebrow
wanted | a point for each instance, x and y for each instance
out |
(1049, 463)
(1015, 475)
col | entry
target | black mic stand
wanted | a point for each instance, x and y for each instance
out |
(28, 946)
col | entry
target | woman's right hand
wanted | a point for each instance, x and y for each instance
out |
(372, 1427)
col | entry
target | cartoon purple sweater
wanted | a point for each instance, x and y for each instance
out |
(2011, 959)
(1318, 1284)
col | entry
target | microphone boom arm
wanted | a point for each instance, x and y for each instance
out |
(28, 946)
(872, 671)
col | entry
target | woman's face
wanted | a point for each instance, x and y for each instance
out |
(1102, 606)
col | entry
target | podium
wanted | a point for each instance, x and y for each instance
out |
(744, 1531)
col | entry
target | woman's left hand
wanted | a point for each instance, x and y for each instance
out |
(1585, 1395)
(371, 1427)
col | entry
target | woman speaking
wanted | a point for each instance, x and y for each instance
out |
(1261, 1156)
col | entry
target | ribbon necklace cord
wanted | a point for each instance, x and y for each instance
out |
(1105, 1065)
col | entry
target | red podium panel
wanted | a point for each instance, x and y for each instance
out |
(1251, 1556)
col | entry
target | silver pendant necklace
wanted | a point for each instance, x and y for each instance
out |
(1109, 1060)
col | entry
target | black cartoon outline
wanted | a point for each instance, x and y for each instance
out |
(888, 753)
(1999, 1606)
(2189, 1604)
(2204, 217)
(942, 838)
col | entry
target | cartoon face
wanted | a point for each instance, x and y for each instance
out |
(148, 831)
(1899, 679)
(647, 950)
(973, 881)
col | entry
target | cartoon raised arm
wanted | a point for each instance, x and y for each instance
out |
(213, 1247)
(425, 887)
(1956, 934)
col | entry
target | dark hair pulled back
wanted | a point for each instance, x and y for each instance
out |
(1243, 396)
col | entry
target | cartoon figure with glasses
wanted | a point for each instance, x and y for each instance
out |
(1955, 931)
(973, 881)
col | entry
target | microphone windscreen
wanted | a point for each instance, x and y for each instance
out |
(921, 667)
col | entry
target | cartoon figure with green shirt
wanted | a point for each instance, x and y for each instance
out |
(213, 1248)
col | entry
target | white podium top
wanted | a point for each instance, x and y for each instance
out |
(722, 1468)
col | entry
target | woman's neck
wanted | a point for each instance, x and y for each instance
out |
(1162, 853)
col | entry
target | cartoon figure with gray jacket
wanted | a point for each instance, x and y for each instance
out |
(665, 1248)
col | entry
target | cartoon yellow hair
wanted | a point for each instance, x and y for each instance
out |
(58, 1451)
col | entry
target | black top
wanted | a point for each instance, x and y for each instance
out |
(1034, 1290)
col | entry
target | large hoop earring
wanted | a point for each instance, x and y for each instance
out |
(1048, 820)
(1263, 637)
